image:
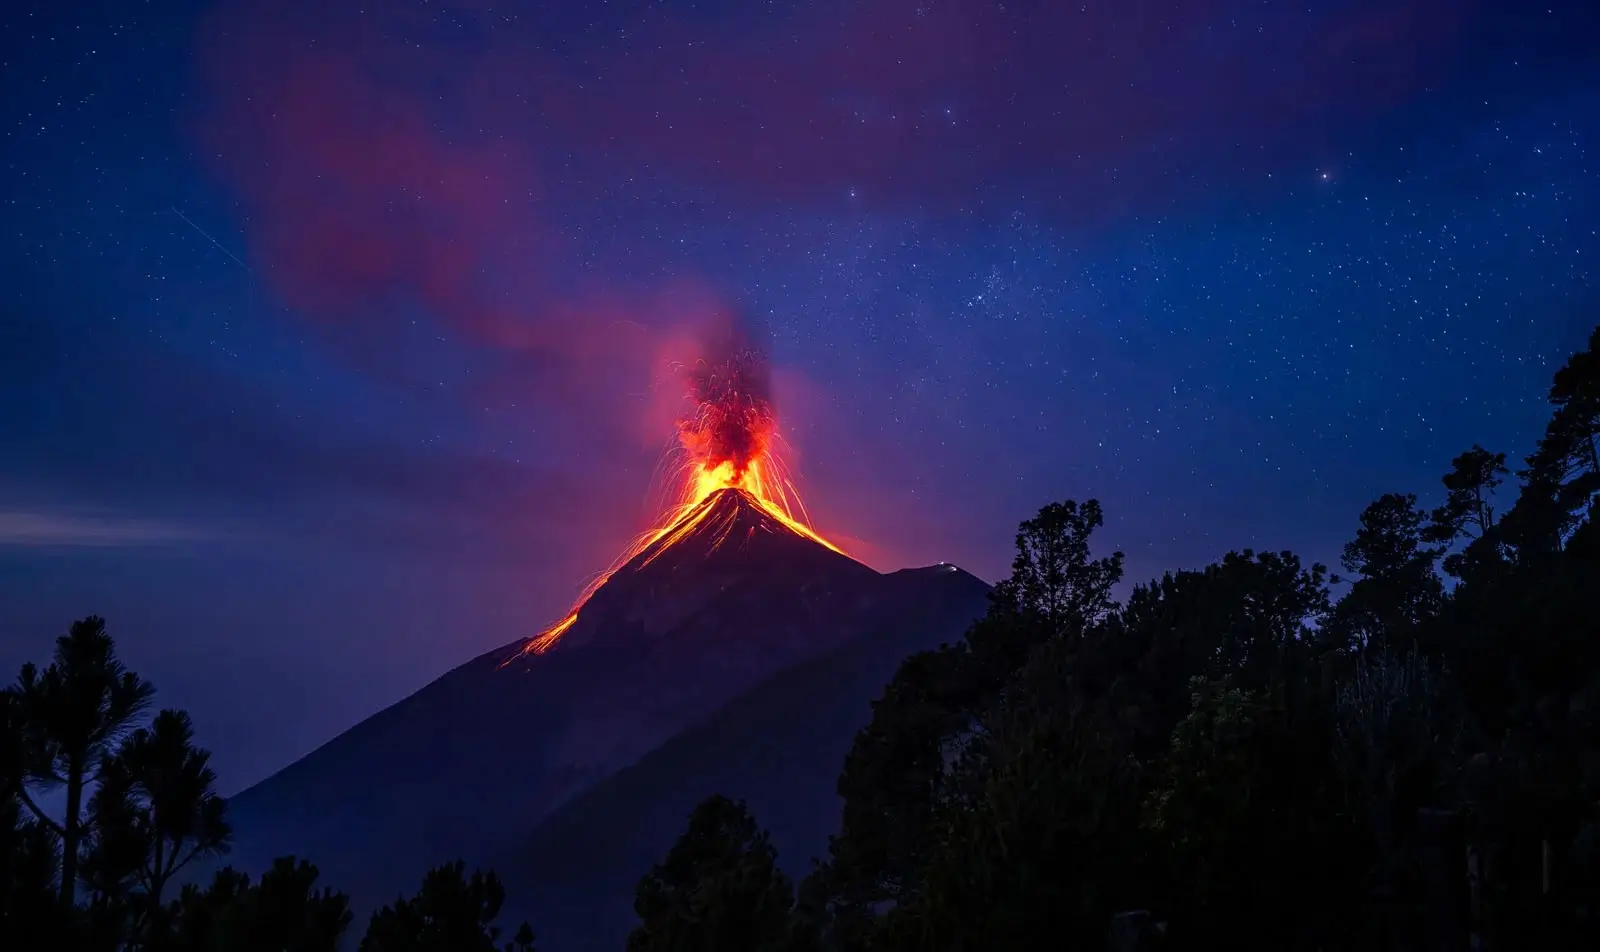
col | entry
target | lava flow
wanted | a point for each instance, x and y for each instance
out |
(728, 441)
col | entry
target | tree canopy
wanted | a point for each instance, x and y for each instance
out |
(1257, 754)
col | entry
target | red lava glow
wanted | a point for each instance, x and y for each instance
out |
(728, 442)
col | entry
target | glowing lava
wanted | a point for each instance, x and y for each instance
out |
(727, 442)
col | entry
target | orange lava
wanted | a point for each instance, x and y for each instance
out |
(762, 477)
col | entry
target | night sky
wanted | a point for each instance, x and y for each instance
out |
(330, 345)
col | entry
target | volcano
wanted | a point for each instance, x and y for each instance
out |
(733, 651)
(730, 527)
(728, 541)
(730, 649)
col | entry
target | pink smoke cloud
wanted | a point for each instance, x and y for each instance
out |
(382, 157)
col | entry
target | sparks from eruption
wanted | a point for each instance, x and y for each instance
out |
(729, 441)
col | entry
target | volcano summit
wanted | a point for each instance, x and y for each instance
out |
(727, 441)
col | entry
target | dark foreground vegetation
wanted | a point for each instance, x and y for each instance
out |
(1233, 758)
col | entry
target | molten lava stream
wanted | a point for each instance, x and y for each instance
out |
(761, 479)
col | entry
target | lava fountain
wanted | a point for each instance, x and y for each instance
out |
(728, 440)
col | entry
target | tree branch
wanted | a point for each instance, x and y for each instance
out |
(34, 808)
(173, 870)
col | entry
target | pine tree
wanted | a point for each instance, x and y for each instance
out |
(75, 712)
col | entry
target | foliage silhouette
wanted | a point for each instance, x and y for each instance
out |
(141, 806)
(452, 912)
(1262, 765)
(74, 712)
(283, 912)
(719, 889)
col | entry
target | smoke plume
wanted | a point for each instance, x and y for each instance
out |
(731, 417)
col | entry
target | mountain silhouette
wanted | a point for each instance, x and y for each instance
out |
(730, 603)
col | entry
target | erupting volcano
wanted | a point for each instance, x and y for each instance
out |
(727, 471)
(729, 648)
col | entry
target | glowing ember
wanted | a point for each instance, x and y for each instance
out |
(727, 442)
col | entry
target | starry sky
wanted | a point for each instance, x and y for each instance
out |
(331, 329)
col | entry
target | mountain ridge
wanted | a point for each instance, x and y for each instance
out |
(482, 754)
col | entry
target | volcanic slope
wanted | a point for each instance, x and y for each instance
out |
(779, 747)
(471, 763)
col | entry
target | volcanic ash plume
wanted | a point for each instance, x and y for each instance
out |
(728, 437)
(731, 419)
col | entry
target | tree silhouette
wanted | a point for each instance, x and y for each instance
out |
(1563, 474)
(892, 774)
(1250, 617)
(1267, 737)
(1468, 511)
(453, 912)
(899, 768)
(1053, 576)
(178, 810)
(719, 888)
(1244, 809)
(75, 711)
(1025, 853)
(1572, 439)
(153, 812)
(283, 912)
(28, 857)
(1396, 588)
(114, 851)
(29, 914)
